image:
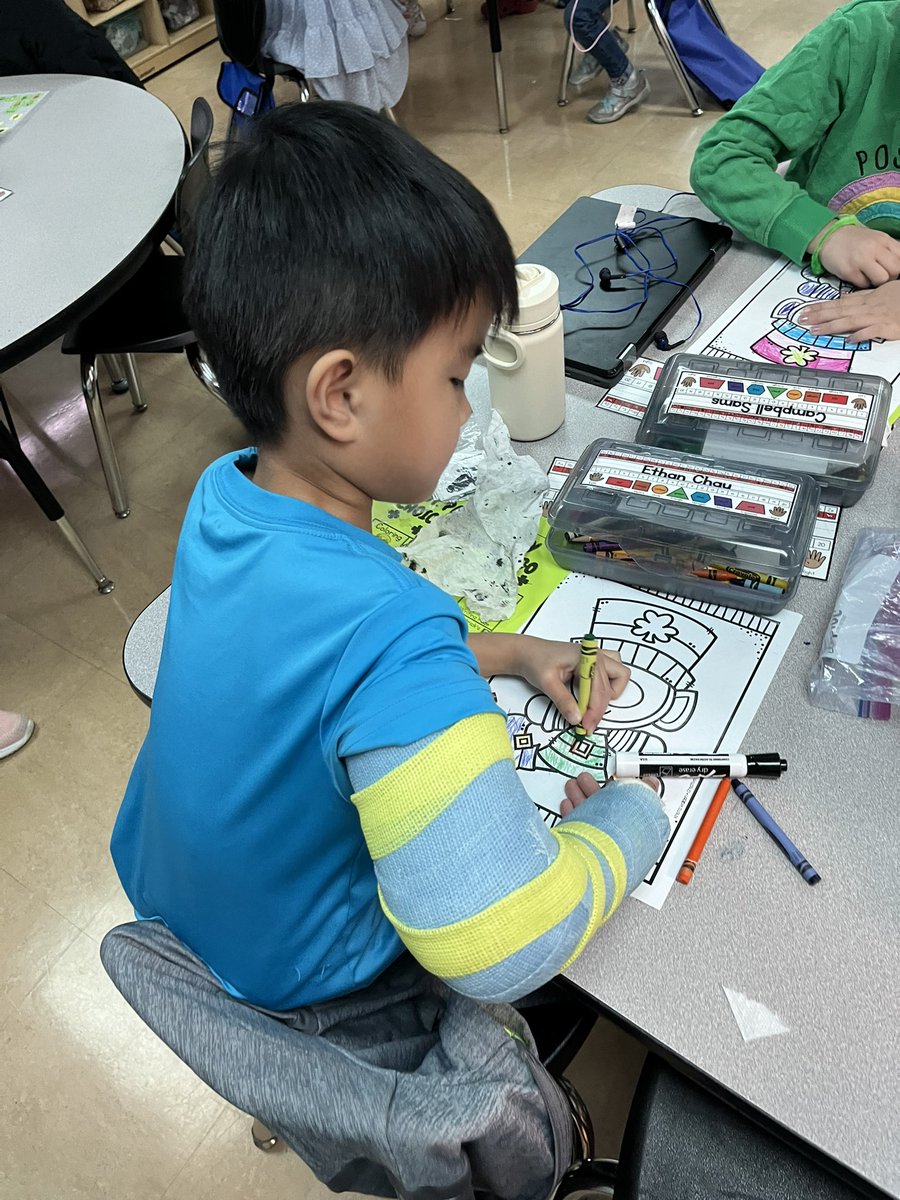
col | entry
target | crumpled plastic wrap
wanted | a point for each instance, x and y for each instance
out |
(475, 551)
(858, 668)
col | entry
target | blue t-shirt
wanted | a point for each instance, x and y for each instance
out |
(294, 641)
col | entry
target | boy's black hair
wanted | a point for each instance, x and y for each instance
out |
(329, 226)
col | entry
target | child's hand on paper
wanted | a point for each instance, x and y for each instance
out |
(861, 256)
(584, 785)
(551, 667)
(873, 313)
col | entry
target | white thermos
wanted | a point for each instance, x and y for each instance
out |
(526, 360)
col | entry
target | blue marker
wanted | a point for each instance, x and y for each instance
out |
(778, 836)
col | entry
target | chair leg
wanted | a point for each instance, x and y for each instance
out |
(203, 370)
(662, 36)
(105, 447)
(493, 18)
(12, 452)
(632, 17)
(116, 373)
(568, 58)
(104, 585)
(134, 383)
(263, 1139)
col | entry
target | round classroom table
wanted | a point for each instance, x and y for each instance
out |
(92, 170)
(825, 959)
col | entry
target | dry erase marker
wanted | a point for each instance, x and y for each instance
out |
(673, 766)
(586, 665)
(778, 836)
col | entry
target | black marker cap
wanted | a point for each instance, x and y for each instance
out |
(766, 764)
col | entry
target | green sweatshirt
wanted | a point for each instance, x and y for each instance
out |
(832, 106)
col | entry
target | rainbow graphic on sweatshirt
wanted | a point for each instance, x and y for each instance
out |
(874, 200)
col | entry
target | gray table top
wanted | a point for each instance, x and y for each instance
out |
(91, 170)
(826, 960)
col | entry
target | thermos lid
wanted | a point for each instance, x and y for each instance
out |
(538, 298)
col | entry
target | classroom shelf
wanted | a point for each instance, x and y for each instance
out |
(100, 18)
(164, 48)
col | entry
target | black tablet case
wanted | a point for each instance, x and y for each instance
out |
(599, 348)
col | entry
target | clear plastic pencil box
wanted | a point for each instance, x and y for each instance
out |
(828, 424)
(689, 525)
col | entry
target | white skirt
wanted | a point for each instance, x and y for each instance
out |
(350, 49)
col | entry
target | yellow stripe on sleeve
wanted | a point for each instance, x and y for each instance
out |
(605, 845)
(503, 928)
(402, 803)
(598, 893)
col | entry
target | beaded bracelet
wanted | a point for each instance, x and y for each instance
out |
(816, 264)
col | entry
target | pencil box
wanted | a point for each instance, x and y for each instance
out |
(828, 424)
(685, 524)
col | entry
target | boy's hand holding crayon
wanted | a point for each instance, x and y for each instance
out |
(551, 667)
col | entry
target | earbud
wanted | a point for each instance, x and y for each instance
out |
(661, 340)
(604, 279)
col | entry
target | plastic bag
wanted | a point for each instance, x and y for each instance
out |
(858, 668)
(475, 552)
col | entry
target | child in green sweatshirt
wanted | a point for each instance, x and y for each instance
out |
(831, 106)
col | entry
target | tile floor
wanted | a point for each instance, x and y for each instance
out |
(91, 1105)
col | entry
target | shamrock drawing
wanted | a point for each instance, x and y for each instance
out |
(653, 626)
(799, 356)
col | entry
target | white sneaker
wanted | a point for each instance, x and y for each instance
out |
(15, 730)
(415, 18)
(623, 95)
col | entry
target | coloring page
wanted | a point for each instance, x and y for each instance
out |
(698, 675)
(762, 325)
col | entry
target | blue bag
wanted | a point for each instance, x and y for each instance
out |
(246, 93)
(708, 55)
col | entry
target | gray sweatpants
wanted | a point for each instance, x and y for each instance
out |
(404, 1089)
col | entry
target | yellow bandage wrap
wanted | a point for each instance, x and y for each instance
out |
(598, 891)
(604, 844)
(406, 800)
(502, 929)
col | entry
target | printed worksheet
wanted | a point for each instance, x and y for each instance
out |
(761, 325)
(15, 108)
(698, 674)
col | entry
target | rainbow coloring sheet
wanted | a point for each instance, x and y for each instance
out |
(761, 325)
(698, 674)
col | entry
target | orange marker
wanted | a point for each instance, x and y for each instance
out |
(686, 874)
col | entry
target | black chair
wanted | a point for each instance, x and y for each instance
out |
(145, 316)
(681, 1143)
(11, 452)
(241, 27)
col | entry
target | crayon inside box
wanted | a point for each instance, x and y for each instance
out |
(681, 523)
(828, 424)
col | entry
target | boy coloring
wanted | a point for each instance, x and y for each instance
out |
(832, 107)
(326, 780)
